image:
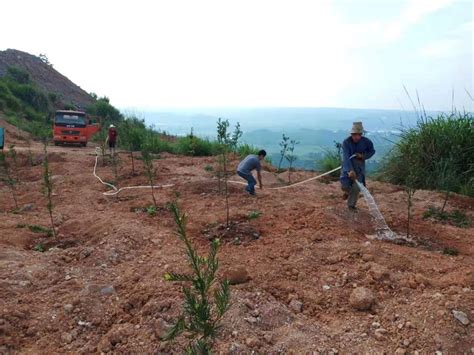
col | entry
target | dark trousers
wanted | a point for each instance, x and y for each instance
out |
(250, 181)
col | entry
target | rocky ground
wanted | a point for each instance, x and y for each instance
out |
(312, 280)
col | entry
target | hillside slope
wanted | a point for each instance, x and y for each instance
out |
(45, 76)
(98, 287)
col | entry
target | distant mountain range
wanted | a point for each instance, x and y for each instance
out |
(316, 129)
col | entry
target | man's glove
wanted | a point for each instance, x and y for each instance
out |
(352, 175)
(359, 156)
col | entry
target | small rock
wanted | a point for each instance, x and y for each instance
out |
(66, 338)
(107, 290)
(461, 317)
(252, 342)
(27, 207)
(68, 307)
(400, 351)
(367, 257)
(268, 338)
(406, 342)
(375, 325)
(67, 277)
(326, 287)
(296, 306)
(235, 333)
(237, 276)
(380, 334)
(362, 299)
(58, 219)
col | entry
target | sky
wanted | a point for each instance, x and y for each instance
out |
(254, 53)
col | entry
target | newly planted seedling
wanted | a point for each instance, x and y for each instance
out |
(150, 171)
(205, 299)
(254, 214)
(48, 187)
(227, 143)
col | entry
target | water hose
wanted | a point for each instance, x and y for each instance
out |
(116, 190)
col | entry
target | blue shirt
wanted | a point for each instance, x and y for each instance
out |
(248, 164)
(349, 148)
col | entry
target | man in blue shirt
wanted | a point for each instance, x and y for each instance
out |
(355, 150)
(244, 170)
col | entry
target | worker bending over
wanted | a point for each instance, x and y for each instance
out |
(356, 149)
(244, 170)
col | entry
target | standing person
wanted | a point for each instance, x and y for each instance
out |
(112, 138)
(356, 149)
(244, 170)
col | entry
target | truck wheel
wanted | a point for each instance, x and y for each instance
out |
(84, 144)
(56, 143)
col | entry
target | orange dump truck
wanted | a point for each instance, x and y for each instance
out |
(73, 127)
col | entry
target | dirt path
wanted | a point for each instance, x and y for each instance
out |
(99, 286)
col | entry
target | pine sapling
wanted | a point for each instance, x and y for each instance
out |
(205, 300)
(48, 188)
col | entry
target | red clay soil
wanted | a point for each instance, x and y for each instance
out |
(98, 287)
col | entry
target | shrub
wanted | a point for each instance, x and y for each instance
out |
(18, 75)
(195, 146)
(331, 160)
(442, 143)
(246, 149)
(205, 303)
(456, 217)
(254, 214)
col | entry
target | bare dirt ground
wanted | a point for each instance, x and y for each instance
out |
(98, 287)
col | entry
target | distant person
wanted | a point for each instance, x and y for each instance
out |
(112, 138)
(244, 170)
(356, 149)
(2, 138)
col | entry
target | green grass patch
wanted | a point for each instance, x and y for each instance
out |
(450, 251)
(36, 228)
(456, 217)
(254, 215)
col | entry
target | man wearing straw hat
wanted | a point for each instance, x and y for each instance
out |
(356, 149)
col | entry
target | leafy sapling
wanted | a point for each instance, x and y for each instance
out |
(284, 146)
(150, 171)
(48, 188)
(205, 299)
(291, 157)
(227, 143)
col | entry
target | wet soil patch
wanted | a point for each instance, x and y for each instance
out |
(237, 232)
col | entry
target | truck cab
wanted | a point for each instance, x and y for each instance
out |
(73, 127)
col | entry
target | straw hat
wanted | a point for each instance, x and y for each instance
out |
(111, 126)
(357, 128)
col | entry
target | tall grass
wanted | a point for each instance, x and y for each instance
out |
(436, 154)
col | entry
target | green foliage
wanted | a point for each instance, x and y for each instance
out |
(102, 108)
(246, 149)
(151, 210)
(48, 188)
(227, 142)
(456, 217)
(18, 75)
(205, 302)
(39, 247)
(209, 168)
(36, 229)
(437, 154)
(150, 171)
(194, 146)
(284, 146)
(290, 156)
(254, 214)
(450, 251)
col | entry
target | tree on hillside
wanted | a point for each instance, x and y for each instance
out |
(132, 135)
(227, 142)
(284, 146)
